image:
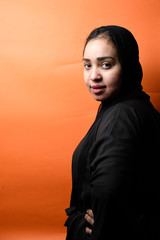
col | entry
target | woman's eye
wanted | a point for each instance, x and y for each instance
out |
(106, 65)
(87, 66)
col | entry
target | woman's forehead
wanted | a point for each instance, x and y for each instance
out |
(100, 47)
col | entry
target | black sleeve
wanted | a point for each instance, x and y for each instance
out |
(112, 165)
(75, 224)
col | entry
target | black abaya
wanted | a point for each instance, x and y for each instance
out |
(115, 173)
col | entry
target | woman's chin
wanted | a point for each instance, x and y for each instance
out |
(100, 98)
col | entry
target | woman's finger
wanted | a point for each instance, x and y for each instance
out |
(89, 219)
(88, 231)
(90, 213)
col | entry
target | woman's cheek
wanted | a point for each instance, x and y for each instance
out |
(86, 81)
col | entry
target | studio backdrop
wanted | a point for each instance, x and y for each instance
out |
(45, 108)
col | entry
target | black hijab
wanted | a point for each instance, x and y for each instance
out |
(128, 54)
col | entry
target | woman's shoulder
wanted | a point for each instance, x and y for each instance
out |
(130, 107)
(132, 112)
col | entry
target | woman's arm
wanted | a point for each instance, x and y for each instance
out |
(112, 165)
(76, 224)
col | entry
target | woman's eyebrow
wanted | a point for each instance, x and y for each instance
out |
(99, 58)
(105, 57)
(86, 59)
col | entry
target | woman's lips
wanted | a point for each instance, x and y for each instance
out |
(98, 89)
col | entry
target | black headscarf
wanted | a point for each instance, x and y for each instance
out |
(128, 54)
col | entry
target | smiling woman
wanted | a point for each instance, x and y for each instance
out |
(102, 72)
(115, 167)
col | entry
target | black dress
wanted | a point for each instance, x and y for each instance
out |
(115, 173)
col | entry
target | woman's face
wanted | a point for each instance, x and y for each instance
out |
(102, 69)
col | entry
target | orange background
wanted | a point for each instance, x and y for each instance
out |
(45, 108)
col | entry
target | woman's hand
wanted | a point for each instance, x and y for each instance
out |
(90, 219)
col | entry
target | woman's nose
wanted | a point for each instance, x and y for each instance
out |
(95, 75)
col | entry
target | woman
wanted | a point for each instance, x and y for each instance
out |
(115, 167)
